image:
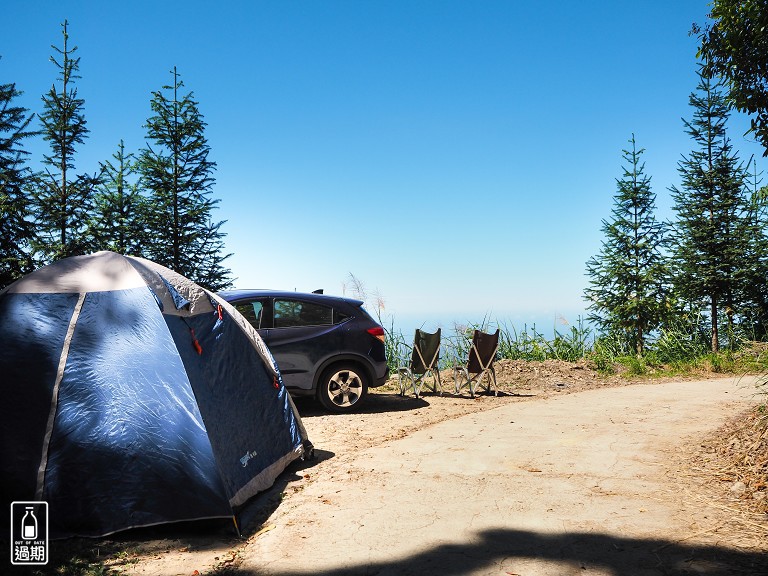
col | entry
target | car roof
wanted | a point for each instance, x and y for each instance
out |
(242, 293)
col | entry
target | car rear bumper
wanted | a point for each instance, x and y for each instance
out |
(382, 379)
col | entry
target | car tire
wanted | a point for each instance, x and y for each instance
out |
(342, 387)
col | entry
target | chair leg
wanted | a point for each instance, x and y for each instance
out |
(422, 382)
(489, 374)
(404, 375)
(473, 384)
(487, 386)
(461, 378)
(459, 372)
(435, 375)
(430, 386)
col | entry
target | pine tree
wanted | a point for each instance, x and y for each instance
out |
(712, 236)
(755, 288)
(626, 291)
(119, 220)
(17, 230)
(178, 175)
(63, 198)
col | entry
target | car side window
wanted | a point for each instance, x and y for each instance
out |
(294, 313)
(252, 311)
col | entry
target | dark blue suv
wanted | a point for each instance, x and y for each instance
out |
(325, 346)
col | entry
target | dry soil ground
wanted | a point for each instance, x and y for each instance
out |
(713, 470)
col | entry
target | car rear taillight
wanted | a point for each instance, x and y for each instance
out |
(376, 332)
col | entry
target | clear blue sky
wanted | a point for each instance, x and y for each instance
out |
(458, 157)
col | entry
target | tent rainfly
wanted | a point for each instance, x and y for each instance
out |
(131, 397)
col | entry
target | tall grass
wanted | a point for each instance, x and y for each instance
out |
(681, 347)
(527, 344)
(682, 342)
(397, 348)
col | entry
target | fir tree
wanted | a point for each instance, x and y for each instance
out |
(119, 220)
(627, 279)
(755, 288)
(63, 198)
(178, 175)
(712, 230)
(17, 230)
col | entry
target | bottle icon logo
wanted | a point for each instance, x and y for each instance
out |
(29, 525)
(29, 533)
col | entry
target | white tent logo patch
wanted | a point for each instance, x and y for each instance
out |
(247, 458)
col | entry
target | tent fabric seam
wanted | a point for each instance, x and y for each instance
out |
(55, 395)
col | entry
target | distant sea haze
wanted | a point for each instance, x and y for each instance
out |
(544, 323)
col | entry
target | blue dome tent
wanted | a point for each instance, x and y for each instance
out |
(133, 397)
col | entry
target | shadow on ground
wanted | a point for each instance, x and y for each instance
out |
(493, 551)
(379, 402)
(258, 509)
(373, 404)
(505, 551)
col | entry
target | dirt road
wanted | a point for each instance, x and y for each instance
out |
(546, 483)
(578, 484)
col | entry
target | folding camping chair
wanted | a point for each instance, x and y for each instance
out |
(424, 358)
(479, 364)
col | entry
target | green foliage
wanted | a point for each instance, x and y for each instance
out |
(713, 229)
(680, 347)
(762, 389)
(397, 349)
(79, 567)
(573, 345)
(755, 288)
(179, 176)
(720, 363)
(681, 340)
(605, 350)
(63, 199)
(636, 365)
(119, 222)
(17, 230)
(626, 292)
(752, 357)
(59, 212)
(735, 47)
(528, 344)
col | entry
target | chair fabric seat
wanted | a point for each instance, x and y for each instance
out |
(425, 356)
(479, 366)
